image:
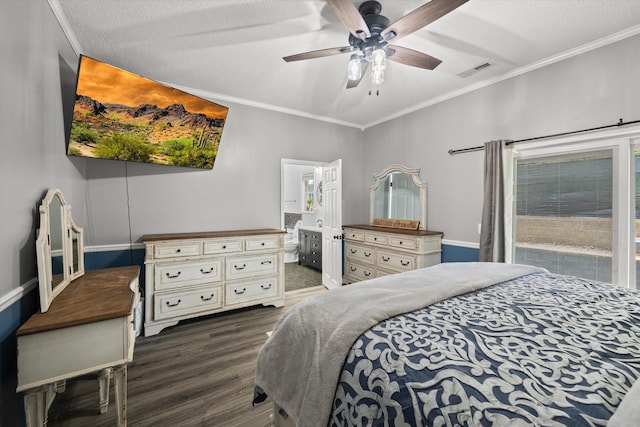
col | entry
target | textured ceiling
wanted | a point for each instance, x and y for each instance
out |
(232, 49)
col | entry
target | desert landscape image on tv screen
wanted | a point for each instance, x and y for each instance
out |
(122, 116)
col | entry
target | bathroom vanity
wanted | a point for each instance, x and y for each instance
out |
(310, 240)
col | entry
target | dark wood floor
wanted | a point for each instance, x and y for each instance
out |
(198, 373)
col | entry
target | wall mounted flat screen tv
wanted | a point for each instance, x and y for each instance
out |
(123, 116)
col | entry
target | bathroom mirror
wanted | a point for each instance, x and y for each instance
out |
(398, 193)
(59, 248)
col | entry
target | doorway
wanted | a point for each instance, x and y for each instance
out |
(302, 217)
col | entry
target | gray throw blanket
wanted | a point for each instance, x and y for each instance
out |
(300, 364)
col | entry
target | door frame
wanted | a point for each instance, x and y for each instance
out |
(294, 162)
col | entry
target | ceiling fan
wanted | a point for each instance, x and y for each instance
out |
(371, 33)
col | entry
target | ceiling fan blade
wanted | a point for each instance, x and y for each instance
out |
(346, 11)
(421, 16)
(354, 83)
(319, 53)
(412, 57)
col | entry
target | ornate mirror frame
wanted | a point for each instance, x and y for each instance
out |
(415, 176)
(59, 248)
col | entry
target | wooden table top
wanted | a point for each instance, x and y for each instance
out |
(97, 295)
(210, 234)
(395, 230)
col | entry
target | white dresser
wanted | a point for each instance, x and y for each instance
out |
(372, 251)
(195, 274)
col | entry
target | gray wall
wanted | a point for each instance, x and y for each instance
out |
(109, 198)
(242, 190)
(593, 89)
(34, 73)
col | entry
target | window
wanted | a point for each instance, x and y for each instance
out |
(573, 209)
(563, 213)
(308, 191)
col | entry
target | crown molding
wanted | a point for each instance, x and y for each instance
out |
(621, 35)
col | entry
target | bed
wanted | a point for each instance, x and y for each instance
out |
(470, 344)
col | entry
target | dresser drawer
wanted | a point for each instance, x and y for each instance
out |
(396, 261)
(222, 246)
(174, 304)
(239, 292)
(177, 274)
(408, 243)
(174, 250)
(359, 271)
(238, 267)
(359, 253)
(378, 239)
(266, 242)
(352, 234)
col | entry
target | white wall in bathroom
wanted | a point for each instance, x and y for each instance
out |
(293, 186)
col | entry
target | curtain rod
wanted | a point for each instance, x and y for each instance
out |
(481, 147)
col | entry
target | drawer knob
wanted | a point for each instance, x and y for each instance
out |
(265, 262)
(375, 238)
(367, 273)
(353, 268)
(206, 272)
(203, 298)
(178, 250)
(400, 241)
(266, 287)
(367, 254)
(238, 292)
(262, 244)
(353, 251)
(173, 276)
(404, 264)
(385, 258)
(224, 246)
(174, 304)
(239, 268)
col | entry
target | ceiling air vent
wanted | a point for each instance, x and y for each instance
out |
(474, 70)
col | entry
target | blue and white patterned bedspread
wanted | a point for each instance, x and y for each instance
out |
(543, 350)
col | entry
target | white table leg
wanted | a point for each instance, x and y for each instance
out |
(120, 383)
(35, 406)
(103, 380)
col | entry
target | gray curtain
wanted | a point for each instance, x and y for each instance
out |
(492, 236)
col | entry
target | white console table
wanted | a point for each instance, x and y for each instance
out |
(88, 328)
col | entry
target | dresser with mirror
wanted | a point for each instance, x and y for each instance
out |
(86, 319)
(396, 238)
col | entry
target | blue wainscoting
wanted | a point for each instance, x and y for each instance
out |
(11, 407)
(451, 253)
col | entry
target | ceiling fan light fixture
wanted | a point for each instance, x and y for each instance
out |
(354, 68)
(378, 59)
(377, 76)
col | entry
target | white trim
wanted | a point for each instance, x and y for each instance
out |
(16, 294)
(461, 244)
(66, 28)
(264, 106)
(119, 247)
(620, 141)
(629, 32)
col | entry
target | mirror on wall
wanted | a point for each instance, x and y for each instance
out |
(59, 248)
(398, 193)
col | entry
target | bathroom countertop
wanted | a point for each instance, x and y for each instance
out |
(311, 228)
